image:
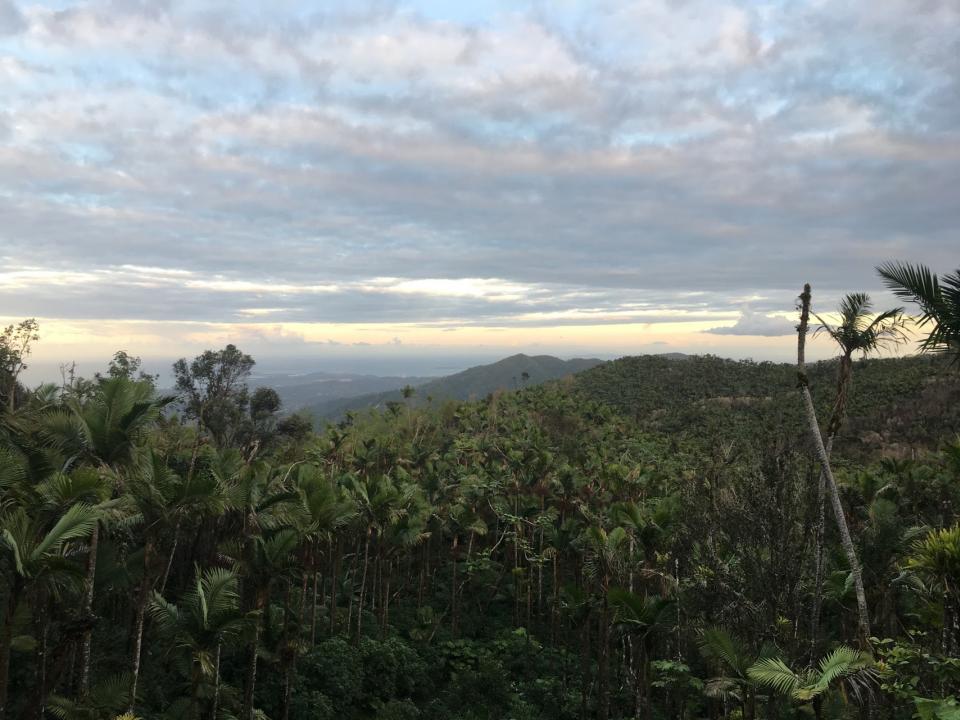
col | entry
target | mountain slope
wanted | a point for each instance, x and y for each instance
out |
(512, 373)
(896, 405)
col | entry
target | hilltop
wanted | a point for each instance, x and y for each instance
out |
(896, 405)
(511, 373)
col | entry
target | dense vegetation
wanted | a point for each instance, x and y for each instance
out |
(644, 540)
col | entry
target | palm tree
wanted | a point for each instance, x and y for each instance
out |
(604, 559)
(936, 559)
(104, 701)
(939, 301)
(267, 558)
(735, 659)
(824, 457)
(104, 430)
(161, 500)
(639, 618)
(858, 331)
(844, 667)
(36, 546)
(207, 618)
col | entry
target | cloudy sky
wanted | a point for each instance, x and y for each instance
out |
(353, 177)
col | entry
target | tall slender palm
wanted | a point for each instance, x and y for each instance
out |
(604, 560)
(813, 426)
(36, 546)
(268, 513)
(861, 331)
(640, 618)
(161, 500)
(206, 618)
(103, 430)
(939, 301)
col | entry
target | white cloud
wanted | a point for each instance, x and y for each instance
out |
(753, 323)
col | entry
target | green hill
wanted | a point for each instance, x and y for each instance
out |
(512, 373)
(896, 405)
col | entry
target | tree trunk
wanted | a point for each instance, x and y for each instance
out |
(135, 653)
(363, 585)
(453, 589)
(215, 702)
(87, 640)
(584, 667)
(173, 552)
(385, 606)
(35, 710)
(334, 588)
(814, 428)
(313, 608)
(251, 679)
(6, 638)
(603, 663)
(141, 609)
(819, 559)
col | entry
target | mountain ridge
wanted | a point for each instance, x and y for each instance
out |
(511, 373)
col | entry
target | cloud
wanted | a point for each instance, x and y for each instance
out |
(11, 19)
(752, 323)
(561, 163)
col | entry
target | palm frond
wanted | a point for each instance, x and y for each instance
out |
(719, 644)
(775, 674)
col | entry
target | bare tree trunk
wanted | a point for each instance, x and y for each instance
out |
(822, 456)
(363, 585)
(603, 662)
(142, 595)
(453, 588)
(214, 704)
(87, 640)
(135, 656)
(819, 559)
(251, 679)
(313, 608)
(173, 551)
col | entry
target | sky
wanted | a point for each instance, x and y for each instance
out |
(365, 179)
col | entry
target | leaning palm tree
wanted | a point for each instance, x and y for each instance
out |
(859, 331)
(939, 301)
(823, 456)
(846, 668)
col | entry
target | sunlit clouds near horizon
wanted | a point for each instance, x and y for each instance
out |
(579, 178)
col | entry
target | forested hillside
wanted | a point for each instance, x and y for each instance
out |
(898, 406)
(511, 373)
(646, 539)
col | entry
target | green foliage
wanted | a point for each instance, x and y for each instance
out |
(562, 551)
